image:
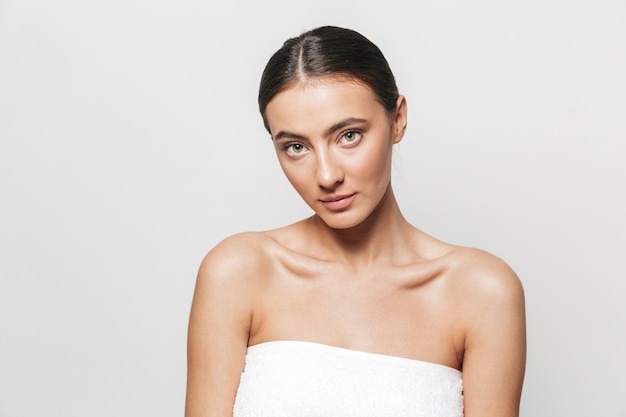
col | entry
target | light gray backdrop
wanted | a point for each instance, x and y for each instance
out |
(130, 145)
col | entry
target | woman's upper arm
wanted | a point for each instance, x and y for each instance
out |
(219, 325)
(495, 344)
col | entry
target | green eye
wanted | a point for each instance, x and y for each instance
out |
(351, 136)
(294, 148)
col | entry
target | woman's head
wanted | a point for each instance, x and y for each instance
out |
(328, 51)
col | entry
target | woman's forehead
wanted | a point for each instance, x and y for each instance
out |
(325, 81)
(320, 103)
(320, 91)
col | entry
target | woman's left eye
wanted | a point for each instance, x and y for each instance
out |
(351, 136)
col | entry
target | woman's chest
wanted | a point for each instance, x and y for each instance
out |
(371, 315)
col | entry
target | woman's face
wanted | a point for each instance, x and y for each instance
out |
(334, 143)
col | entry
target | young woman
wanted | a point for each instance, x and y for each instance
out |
(352, 311)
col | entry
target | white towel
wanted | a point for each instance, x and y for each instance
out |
(304, 379)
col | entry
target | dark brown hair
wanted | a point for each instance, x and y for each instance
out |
(324, 51)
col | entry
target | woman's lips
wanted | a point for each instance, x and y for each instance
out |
(338, 202)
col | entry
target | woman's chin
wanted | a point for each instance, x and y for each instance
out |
(339, 221)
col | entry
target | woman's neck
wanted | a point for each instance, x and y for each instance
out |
(377, 239)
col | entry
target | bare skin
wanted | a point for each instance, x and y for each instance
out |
(356, 274)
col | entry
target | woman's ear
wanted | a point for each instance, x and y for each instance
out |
(400, 119)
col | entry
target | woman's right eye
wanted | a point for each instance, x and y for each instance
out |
(294, 148)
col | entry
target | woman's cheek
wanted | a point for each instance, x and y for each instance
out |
(300, 178)
(373, 165)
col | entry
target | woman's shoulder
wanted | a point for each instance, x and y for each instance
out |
(482, 275)
(239, 249)
(242, 241)
(246, 251)
(237, 257)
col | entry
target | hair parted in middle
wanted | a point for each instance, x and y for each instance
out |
(328, 51)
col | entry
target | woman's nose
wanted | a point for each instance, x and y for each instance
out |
(329, 172)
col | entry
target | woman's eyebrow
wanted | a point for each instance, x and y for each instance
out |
(288, 135)
(340, 125)
(332, 129)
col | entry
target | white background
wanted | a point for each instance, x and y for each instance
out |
(131, 144)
